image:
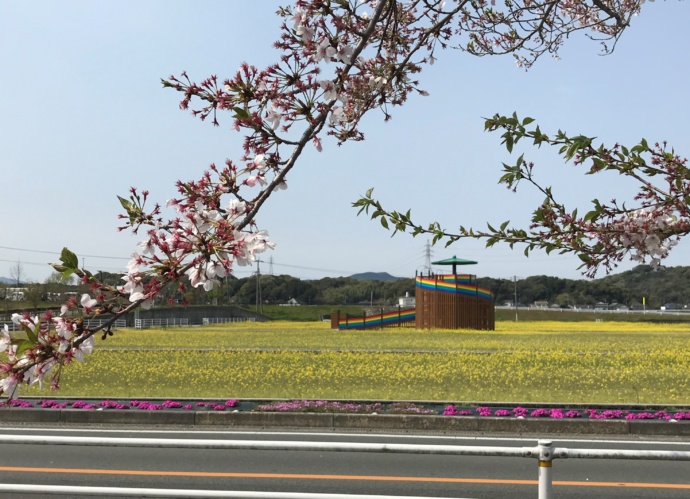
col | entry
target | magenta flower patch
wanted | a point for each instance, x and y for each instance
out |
(520, 412)
(328, 406)
(484, 411)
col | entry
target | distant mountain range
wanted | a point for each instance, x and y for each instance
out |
(374, 276)
(364, 276)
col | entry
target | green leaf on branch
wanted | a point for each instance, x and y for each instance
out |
(33, 338)
(129, 208)
(509, 142)
(593, 214)
(241, 114)
(69, 259)
(538, 215)
(22, 346)
(70, 263)
(65, 274)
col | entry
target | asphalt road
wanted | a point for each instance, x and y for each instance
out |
(339, 472)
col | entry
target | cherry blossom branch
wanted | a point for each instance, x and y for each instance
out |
(607, 232)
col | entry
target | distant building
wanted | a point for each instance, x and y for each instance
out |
(15, 294)
(406, 301)
(291, 303)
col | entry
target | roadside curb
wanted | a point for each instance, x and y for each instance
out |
(335, 421)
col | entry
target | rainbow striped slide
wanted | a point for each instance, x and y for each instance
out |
(387, 319)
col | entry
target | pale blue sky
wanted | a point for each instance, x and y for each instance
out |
(84, 117)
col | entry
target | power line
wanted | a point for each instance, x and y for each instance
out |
(332, 271)
(22, 262)
(128, 258)
(58, 252)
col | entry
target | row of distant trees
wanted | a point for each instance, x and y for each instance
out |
(271, 289)
(656, 288)
(659, 288)
(277, 289)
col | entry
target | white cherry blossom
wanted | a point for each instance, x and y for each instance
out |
(260, 162)
(88, 303)
(344, 53)
(329, 90)
(85, 348)
(5, 338)
(273, 117)
(337, 115)
(8, 384)
(324, 51)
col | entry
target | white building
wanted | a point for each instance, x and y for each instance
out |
(406, 301)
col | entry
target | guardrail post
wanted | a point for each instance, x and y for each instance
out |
(545, 459)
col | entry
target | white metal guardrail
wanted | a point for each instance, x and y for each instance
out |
(47, 490)
(544, 453)
(120, 323)
(146, 323)
(648, 311)
(224, 320)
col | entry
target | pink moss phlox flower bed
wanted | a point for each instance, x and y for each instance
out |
(521, 412)
(331, 406)
(133, 404)
(344, 407)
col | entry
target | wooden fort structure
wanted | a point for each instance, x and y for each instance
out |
(442, 301)
(452, 301)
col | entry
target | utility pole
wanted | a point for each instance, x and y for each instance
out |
(515, 297)
(258, 287)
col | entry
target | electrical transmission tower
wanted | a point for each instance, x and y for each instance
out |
(427, 257)
(259, 304)
(270, 266)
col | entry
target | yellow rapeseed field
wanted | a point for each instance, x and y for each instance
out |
(595, 362)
